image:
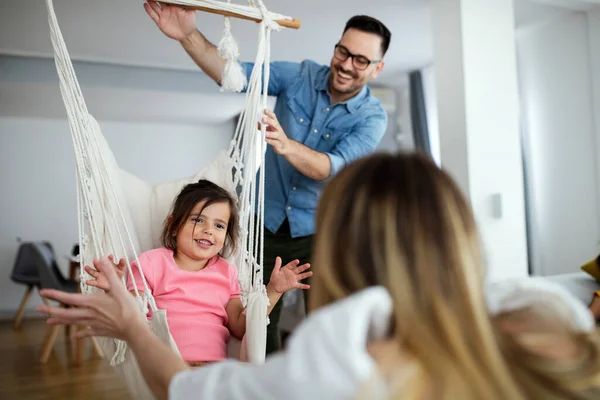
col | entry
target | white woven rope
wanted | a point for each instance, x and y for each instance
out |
(96, 195)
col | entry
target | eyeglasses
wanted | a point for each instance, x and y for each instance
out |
(358, 61)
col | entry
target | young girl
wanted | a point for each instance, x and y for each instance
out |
(190, 278)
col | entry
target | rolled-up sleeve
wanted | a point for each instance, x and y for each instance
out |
(282, 74)
(361, 141)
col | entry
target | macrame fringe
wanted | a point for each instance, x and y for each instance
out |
(233, 78)
(101, 219)
(119, 356)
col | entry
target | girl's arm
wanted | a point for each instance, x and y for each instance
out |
(236, 318)
(274, 297)
(282, 280)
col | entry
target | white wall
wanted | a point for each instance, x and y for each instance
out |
(160, 125)
(560, 142)
(38, 176)
(475, 70)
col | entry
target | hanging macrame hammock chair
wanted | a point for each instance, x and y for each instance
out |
(121, 214)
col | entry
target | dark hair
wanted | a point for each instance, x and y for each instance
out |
(186, 200)
(371, 25)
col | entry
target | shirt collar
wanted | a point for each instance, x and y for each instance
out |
(351, 104)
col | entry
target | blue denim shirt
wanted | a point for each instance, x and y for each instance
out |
(344, 132)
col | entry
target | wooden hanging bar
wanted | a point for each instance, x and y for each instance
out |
(288, 23)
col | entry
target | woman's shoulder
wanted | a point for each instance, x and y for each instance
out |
(327, 357)
(338, 335)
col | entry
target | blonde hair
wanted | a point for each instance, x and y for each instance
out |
(400, 222)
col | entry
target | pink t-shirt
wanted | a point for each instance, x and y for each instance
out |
(195, 301)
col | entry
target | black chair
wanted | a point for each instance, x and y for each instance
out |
(51, 278)
(50, 275)
(25, 272)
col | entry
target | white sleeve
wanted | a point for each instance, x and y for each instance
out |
(326, 358)
(232, 380)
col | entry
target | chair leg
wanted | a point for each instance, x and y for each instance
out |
(21, 311)
(80, 344)
(67, 327)
(49, 343)
(97, 347)
(79, 348)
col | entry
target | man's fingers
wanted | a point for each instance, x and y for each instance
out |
(150, 11)
(272, 123)
(270, 113)
(303, 286)
(155, 7)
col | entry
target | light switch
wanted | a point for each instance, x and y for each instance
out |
(497, 205)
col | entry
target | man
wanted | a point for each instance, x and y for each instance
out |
(324, 118)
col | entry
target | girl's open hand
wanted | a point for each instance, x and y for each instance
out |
(289, 277)
(99, 278)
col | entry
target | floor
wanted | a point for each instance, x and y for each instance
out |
(23, 377)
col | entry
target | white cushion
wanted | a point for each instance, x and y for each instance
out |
(144, 206)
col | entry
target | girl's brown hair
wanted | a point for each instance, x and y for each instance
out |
(190, 195)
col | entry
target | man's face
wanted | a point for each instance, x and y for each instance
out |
(349, 74)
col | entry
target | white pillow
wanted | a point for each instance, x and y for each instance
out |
(541, 294)
(143, 205)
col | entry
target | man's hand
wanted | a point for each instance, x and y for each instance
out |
(175, 21)
(309, 162)
(275, 136)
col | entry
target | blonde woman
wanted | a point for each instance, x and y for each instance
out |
(398, 310)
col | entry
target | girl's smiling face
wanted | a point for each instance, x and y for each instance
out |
(203, 234)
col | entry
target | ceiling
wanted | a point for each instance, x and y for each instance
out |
(529, 13)
(119, 31)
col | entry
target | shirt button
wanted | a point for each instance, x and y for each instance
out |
(316, 131)
(301, 120)
(289, 208)
(294, 188)
(327, 136)
(327, 109)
